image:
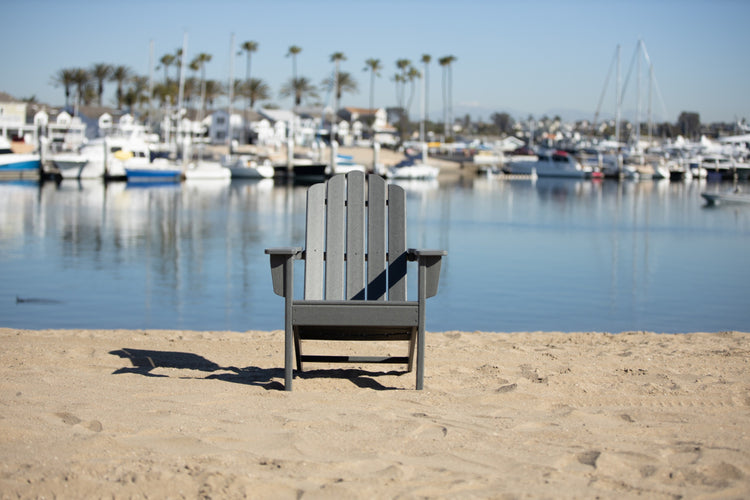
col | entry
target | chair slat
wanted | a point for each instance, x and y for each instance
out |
(355, 236)
(396, 243)
(335, 238)
(376, 238)
(314, 242)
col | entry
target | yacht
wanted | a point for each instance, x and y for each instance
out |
(554, 163)
(17, 165)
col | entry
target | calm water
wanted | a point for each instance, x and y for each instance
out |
(551, 255)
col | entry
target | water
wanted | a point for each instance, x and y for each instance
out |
(554, 255)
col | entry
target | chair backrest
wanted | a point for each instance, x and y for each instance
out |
(355, 244)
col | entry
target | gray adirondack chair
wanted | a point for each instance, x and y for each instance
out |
(355, 274)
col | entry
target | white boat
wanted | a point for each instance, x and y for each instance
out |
(248, 167)
(345, 163)
(158, 171)
(102, 157)
(17, 165)
(412, 168)
(488, 157)
(206, 171)
(734, 196)
(550, 164)
(416, 171)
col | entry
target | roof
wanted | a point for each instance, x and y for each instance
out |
(7, 98)
(362, 111)
(277, 115)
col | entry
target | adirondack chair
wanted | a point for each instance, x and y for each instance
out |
(355, 274)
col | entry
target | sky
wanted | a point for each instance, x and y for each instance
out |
(536, 57)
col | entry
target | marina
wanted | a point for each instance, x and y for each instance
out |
(523, 254)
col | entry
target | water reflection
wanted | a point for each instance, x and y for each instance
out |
(544, 255)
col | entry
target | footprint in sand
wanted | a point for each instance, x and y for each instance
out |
(70, 419)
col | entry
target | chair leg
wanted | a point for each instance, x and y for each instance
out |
(412, 345)
(298, 351)
(288, 362)
(420, 357)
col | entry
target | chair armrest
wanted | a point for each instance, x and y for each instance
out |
(285, 251)
(415, 253)
(429, 260)
(282, 263)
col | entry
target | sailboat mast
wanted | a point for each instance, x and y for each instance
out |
(231, 91)
(183, 64)
(638, 101)
(618, 99)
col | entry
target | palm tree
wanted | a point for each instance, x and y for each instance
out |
(411, 76)
(301, 88)
(426, 58)
(336, 59)
(137, 92)
(81, 79)
(120, 74)
(200, 61)
(293, 51)
(64, 77)
(212, 89)
(400, 78)
(248, 47)
(166, 61)
(257, 90)
(374, 67)
(101, 72)
(165, 93)
(446, 62)
(344, 84)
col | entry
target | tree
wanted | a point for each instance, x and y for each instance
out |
(120, 74)
(200, 61)
(101, 72)
(211, 90)
(400, 78)
(137, 92)
(166, 61)
(446, 62)
(248, 48)
(374, 67)
(426, 58)
(293, 51)
(689, 124)
(336, 59)
(503, 122)
(64, 77)
(81, 79)
(256, 90)
(344, 84)
(301, 88)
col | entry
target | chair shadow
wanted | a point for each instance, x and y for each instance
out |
(144, 361)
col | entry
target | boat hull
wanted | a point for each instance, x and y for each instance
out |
(23, 167)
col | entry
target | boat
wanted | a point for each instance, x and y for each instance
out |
(413, 168)
(158, 171)
(345, 163)
(15, 166)
(206, 171)
(554, 163)
(735, 196)
(486, 157)
(248, 167)
(102, 157)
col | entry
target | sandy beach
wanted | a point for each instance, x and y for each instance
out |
(184, 414)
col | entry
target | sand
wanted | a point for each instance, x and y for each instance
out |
(182, 414)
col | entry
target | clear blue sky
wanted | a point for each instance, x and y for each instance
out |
(520, 57)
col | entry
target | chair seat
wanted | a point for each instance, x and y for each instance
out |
(355, 313)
